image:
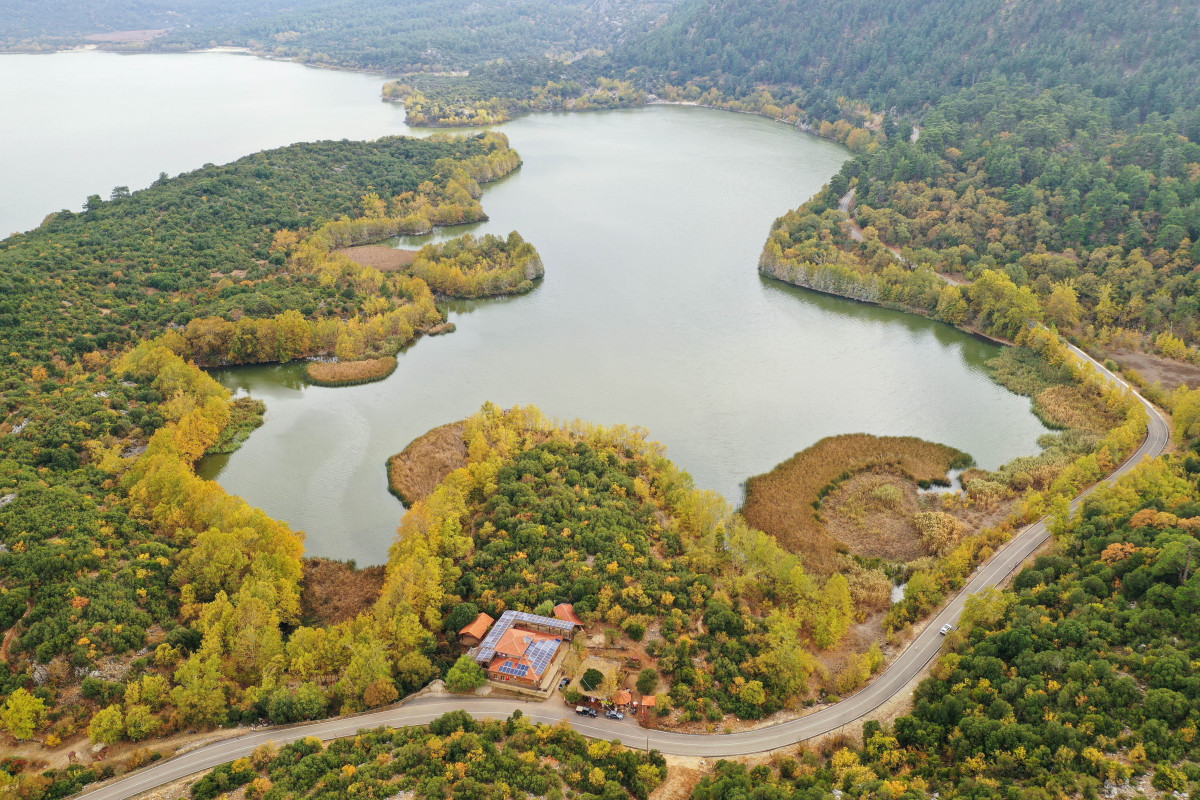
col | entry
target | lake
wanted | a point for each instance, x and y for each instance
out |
(80, 123)
(649, 221)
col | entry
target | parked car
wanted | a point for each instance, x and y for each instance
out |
(612, 713)
(946, 629)
(564, 683)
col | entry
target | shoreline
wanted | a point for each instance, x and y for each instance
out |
(978, 334)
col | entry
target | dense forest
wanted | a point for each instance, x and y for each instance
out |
(135, 597)
(480, 99)
(543, 514)
(909, 54)
(454, 756)
(420, 35)
(483, 267)
(1080, 678)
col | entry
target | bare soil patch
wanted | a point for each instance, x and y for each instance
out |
(335, 591)
(1156, 369)
(683, 773)
(416, 471)
(381, 257)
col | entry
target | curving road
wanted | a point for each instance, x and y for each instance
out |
(887, 685)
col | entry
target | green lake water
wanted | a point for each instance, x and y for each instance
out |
(649, 221)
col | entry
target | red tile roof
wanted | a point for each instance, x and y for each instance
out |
(566, 612)
(622, 697)
(649, 701)
(516, 641)
(519, 648)
(479, 627)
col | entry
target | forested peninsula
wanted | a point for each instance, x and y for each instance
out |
(1026, 170)
(172, 600)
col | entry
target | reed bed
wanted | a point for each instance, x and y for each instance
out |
(785, 502)
(1073, 406)
(349, 373)
(416, 471)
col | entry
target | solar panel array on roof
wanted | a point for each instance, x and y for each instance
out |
(487, 648)
(548, 622)
(542, 653)
(517, 671)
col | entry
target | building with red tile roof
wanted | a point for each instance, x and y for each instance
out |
(649, 701)
(473, 634)
(566, 612)
(522, 647)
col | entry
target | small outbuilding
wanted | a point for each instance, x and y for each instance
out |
(566, 612)
(622, 697)
(649, 701)
(473, 634)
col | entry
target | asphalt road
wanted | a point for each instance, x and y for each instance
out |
(856, 707)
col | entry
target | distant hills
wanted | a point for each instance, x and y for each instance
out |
(902, 55)
(907, 53)
(413, 35)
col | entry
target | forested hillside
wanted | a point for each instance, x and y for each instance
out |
(31, 21)
(1081, 678)
(415, 35)
(1099, 224)
(424, 35)
(910, 53)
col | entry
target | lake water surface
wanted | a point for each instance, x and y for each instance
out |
(75, 124)
(649, 222)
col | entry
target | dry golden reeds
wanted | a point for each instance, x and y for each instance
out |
(1072, 406)
(784, 501)
(416, 471)
(349, 373)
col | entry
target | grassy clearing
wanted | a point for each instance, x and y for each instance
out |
(246, 414)
(349, 373)
(417, 470)
(784, 502)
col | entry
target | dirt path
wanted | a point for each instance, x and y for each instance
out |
(856, 233)
(11, 633)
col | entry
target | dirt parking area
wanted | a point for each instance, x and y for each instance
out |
(1156, 369)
